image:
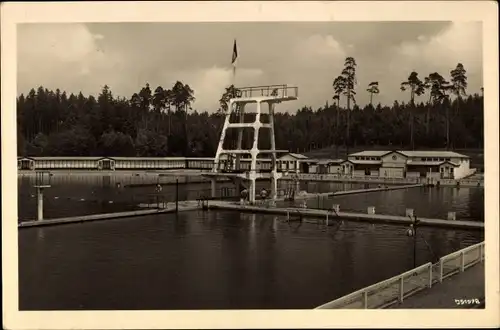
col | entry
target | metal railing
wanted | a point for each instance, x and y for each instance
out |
(459, 261)
(400, 287)
(376, 179)
(278, 91)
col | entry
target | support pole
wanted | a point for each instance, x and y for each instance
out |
(40, 203)
(415, 225)
(254, 152)
(177, 195)
(213, 187)
(274, 172)
(239, 142)
(251, 198)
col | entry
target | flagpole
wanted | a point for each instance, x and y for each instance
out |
(234, 75)
(233, 62)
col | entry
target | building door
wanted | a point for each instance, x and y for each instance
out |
(25, 164)
(106, 164)
(305, 168)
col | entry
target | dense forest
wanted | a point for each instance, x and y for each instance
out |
(162, 122)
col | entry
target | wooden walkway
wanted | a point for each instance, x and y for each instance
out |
(325, 216)
(332, 216)
(167, 208)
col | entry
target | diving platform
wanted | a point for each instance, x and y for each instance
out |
(249, 152)
(267, 93)
(233, 155)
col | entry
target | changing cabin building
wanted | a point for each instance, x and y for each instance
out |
(292, 162)
(407, 164)
(111, 163)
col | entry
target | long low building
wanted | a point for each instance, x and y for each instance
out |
(407, 164)
(385, 164)
(379, 164)
(127, 163)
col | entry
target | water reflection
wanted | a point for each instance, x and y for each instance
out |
(79, 194)
(201, 260)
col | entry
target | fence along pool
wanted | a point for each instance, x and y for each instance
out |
(400, 287)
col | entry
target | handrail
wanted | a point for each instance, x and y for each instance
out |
(259, 87)
(364, 292)
(453, 255)
(391, 280)
(463, 265)
(278, 91)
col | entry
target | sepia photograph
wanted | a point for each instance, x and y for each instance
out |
(170, 162)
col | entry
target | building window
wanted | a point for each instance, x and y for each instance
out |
(448, 159)
(357, 158)
(424, 159)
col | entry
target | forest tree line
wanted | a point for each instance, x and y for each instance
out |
(162, 122)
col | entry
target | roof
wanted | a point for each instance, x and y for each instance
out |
(436, 163)
(412, 153)
(363, 162)
(370, 153)
(294, 155)
(311, 160)
(65, 158)
(451, 163)
(330, 161)
(147, 158)
(366, 162)
(430, 154)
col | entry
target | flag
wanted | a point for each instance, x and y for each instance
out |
(235, 53)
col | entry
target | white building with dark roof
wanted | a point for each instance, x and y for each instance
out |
(407, 164)
(292, 162)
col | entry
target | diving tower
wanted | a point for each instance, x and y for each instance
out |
(228, 161)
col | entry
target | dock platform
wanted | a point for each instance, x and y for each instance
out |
(323, 216)
(331, 216)
(169, 208)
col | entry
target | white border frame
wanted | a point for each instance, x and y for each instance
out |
(12, 13)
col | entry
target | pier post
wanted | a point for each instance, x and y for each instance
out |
(462, 262)
(40, 202)
(274, 185)
(440, 270)
(42, 180)
(213, 187)
(401, 289)
(430, 275)
(251, 196)
(177, 195)
(415, 225)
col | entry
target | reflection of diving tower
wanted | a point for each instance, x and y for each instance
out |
(246, 164)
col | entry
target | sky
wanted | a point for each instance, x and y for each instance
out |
(78, 57)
